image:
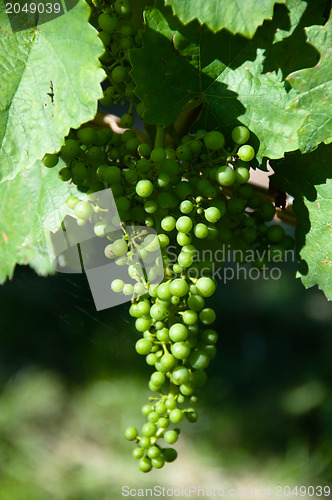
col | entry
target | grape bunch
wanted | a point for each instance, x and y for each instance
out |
(119, 34)
(193, 195)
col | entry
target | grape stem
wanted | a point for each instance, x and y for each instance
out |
(160, 137)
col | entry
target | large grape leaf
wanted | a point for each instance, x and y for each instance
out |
(49, 82)
(314, 89)
(26, 201)
(295, 10)
(312, 191)
(223, 70)
(242, 16)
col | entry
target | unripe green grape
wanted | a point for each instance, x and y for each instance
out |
(131, 433)
(71, 202)
(144, 188)
(275, 233)
(211, 350)
(151, 359)
(145, 464)
(180, 350)
(171, 437)
(132, 145)
(128, 289)
(176, 416)
(127, 120)
(178, 332)
(123, 7)
(181, 399)
(246, 153)
(143, 346)
(207, 316)
(126, 43)
(184, 189)
(179, 287)
(163, 291)
(83, 210)
(117, 285)
(170, 402)
(143, 324)
(170, 454)
(149, 429)
(267, 211)
(184, 224)
(120, 247)
(112, 175)
(236, 205)
(214, 140)
(163, 179)
(158, 379)
(65, 174)
(158, 155)
(160, 408)
(205, 287)
(87, 135)
(144, 442)
(184, 259)
(225, 176)
(163, 423)
(183, 152)
(50, 160)
(201, 231)
(108, 23)
(167, 361)
(144, 149)
(209, 337)
(158, 311)
(146, 410)
(196, 302)
(180, 375)
(212, 214)
(154, 452)
(138, 453)
(198, 378)
(240, 134)
(195, 146)
(187, 389)
(186, 207)
(250, 235)
(183, 239)
(189, 317)
(199, 359)
(191, 415)
(163, 240)
(119, 74)
(158, 462)
(242, 175)
(153, 417)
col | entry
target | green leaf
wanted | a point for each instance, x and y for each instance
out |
(312, 191)
(26, 202)
(242, 16)
(225, 71)
(295, 9)
(50, 82)
(314, 89)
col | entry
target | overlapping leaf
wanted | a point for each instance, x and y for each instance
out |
(49, 81)
(312, 190)
(314, 89)
(242, 16)
(26, 202)
(226, 71)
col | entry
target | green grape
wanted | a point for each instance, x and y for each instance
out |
(209, 337)
(187, 389)
(87, 136)
(246, 153)
(171, 437)
(158, 379)
(149, 429)
(205, 287)
(242, 175)
(190, 317)
(201, 230)
(166, 200)
(212, 214)
(142, 324)
(184, 189)
(158, 311)
(160, 408)
(163, 179)
(198, 378)
(71, 202)
(170, 403)
(180, 350)
(158, 462)
(168, 362)
(183, 152)
(119, 74)
(158, 155)
(132, 145)
(145, 464)
(108, 23)
(144, 149)
(151, 359)
(120, 247)
(184, 224)
(225, 176)
(65, 174)
(196, 302)
(170, 454)
(240, 134)
(176, 416)
(117, 285)
(122, 7)
(164, 292)
(180, 375)
(146, 410)
(154, 452)
(199, 360)
(275, 234)
(138, 453)
(128, 289)
(143, 346)
(178, 332)
(249, 235)
(183, 239)
(163, 240)
(144, 188)
(186, 207)
(207, 316)
(191, 415)
(127, 120)
(214, 140)
(179, 287)
(83, 210)
(184, 259)
(236, 205)
(163, 423)
(144, 442)
(50, 160)
(131, 433)
(267, 211)
(143, 307)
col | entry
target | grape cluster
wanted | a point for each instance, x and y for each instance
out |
(119, 34)
(193, 195)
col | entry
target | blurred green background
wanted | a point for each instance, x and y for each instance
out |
(71, 382)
